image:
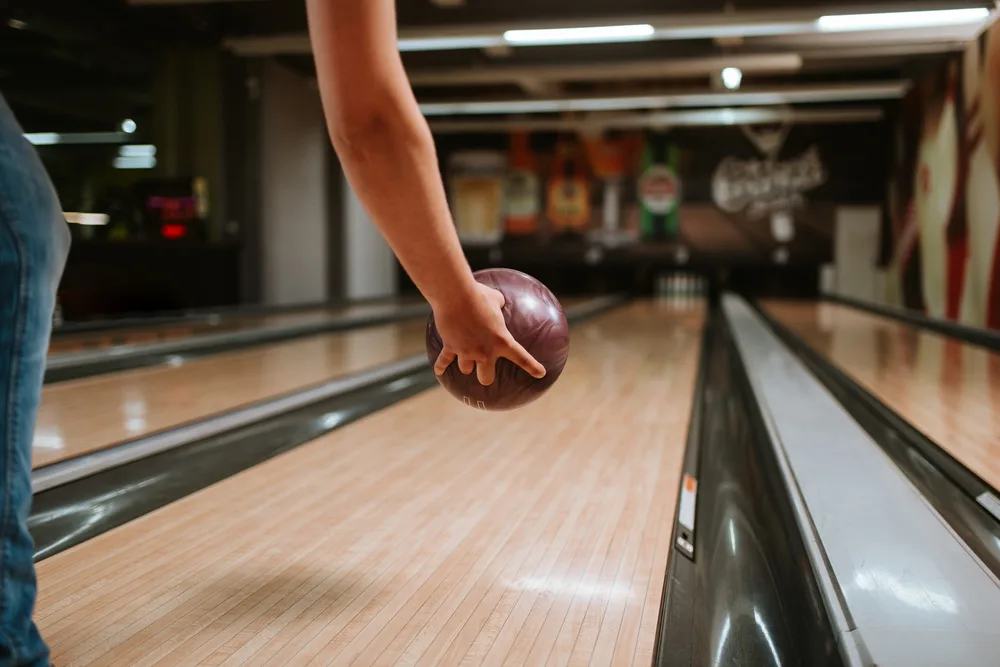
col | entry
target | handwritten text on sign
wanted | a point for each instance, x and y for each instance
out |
(760, 187)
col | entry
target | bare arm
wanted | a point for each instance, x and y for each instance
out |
(389, 158)
(384, 143)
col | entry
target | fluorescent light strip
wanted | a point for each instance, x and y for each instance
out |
(137, 150)
(411, 44)
(54, 138)
(689, 100)
(43, 138)
(89, 219)
(902, 20)
(588, 35)
(721, 31)
(140, 162)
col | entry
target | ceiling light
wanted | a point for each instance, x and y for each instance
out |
(90, 219)
(16, 24)
(137, 150)
(448, 43)
(902, 20)
(128, 126)
(52, 138)
(589, 35)
(135, 162)
(43, 138)
(731, 77)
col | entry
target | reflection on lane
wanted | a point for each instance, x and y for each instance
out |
(569, 498)
(948, 390)
(83, 415)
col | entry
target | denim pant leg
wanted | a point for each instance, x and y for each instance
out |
(34, 243)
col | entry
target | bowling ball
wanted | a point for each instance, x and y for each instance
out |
(536, 320)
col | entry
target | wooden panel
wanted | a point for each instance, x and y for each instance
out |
(428, 534)
(83, 415)
(948, 390)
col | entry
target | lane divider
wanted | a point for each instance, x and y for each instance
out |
(70, 470)
(63, 472)
(267, 334)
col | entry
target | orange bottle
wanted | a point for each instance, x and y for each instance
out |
(568, 209)
(521, 194)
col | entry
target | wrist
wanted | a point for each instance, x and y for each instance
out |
(457, 295)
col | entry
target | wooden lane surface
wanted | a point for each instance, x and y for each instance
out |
(948, 390)
(81, 416)
(177, 330)
(428, 534)
(84, 415)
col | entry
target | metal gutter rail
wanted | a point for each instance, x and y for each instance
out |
(904, 589)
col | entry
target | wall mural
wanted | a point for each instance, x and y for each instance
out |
(760, 193)
(944, 194)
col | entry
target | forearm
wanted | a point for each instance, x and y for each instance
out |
(384, 143)
(390, 162)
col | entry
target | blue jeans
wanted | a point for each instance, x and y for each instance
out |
(34, 243)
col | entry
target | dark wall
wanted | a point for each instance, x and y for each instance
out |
(730, 187)
(114, 279)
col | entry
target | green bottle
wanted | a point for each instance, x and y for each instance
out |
(659, 190)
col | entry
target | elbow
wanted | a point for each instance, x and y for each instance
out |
(349, 132)
(362, 132)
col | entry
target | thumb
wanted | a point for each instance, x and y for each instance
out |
(499, 300)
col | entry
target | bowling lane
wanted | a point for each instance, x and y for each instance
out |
(948, 390)
(427, 534)
(81, 416)
(79, 342)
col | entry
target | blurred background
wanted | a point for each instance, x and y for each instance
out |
(773, 147)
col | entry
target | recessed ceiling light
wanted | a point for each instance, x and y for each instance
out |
(731, 77)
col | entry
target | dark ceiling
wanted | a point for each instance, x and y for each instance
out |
(84, 64)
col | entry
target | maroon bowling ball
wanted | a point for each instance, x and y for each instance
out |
(536, 320)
